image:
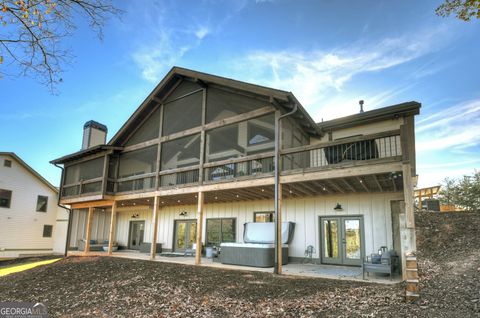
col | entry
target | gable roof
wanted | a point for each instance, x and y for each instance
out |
(281, 99)
(30, 169)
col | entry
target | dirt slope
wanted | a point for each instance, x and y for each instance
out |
(449, 260)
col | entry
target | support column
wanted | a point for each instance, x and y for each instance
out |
(198, 250)
(279, 230)
(89, 230)
(111, 233)
(153, 246)
(408, 194)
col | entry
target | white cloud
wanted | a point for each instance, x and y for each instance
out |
(315, 76)
(166, 42)
(454, 128)
(201, 32)
(154, 59)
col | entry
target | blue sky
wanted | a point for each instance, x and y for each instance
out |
(330, 54)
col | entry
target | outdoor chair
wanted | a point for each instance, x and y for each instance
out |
(382, 265)
(191, 251)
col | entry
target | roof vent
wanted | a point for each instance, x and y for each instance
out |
(361, 105)
(94, 134)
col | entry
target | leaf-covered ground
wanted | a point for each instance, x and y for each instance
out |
(450, 285)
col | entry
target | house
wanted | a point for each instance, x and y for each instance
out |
(197, 159)
(31, 223)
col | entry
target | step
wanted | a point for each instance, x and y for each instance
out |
(412, 281)
(411, 296)
(411, 264)
(412, 273)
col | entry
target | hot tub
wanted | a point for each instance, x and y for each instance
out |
(258, 249)
(251, 254)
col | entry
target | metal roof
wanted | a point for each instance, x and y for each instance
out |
(408, 108)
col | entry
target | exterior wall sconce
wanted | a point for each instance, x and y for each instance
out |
(183, 213)
(338, 207)
(135, 215)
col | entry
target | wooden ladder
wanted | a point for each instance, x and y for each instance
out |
(412, 292)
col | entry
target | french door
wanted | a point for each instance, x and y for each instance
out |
(341, 240)
(185, 234)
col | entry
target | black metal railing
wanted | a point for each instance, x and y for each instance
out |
(339, 153)
(179, 178)
(232, 170)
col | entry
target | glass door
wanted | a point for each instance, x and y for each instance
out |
(185, 234)
(341, 240)
(136, 234)
(330, 242)
(352, 240)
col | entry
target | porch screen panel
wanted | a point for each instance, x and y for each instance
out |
(181, 152)
(241, 139)
(222, 104)
(183, 113)
(148, 130)
(83, 172)
(184, 88)
(137, 163)
(292, 137)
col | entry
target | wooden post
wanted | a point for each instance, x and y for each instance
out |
(408, 194)
(89, 229)
(153, 247)
(279, 229)
(198, 250)
(111, 233)
(419, 199)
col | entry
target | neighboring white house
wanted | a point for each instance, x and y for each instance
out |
(31, 223)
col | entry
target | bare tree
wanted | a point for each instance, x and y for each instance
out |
(31, 33)
(463, 9)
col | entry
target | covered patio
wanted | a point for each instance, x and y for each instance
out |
(313, 270)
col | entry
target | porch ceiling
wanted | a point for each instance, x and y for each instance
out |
(383, 182)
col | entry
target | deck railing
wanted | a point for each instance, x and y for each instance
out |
(182, 176)
(239, 168)
(348, 151)
(342, 152)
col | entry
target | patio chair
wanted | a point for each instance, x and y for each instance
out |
(191, 251)
(385, 265)
(308, 258)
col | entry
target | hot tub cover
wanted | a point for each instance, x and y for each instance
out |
(264, 232)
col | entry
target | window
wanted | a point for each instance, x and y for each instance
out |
(220, 230)
(5, 198)
(42, 203)
(263, 216)
(47, 230)
(7, 163)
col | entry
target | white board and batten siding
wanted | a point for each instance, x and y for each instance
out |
(305, 212)
(21, 226)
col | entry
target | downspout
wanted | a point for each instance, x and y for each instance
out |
(69, 226)
(278, 243)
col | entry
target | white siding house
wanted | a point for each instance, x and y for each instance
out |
(31, 223)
